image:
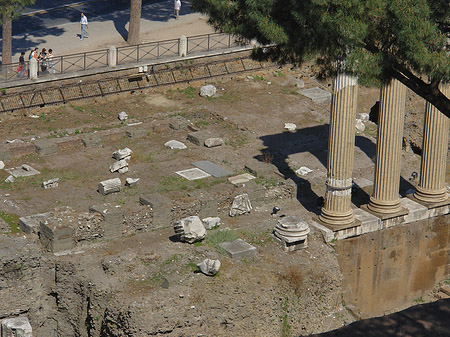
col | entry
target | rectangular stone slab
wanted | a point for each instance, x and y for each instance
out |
(238, 249)
(21, 172)
(317, 95)
(193, 174)
(211, 168)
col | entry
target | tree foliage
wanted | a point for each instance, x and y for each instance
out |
(9, 10)
(378, 39)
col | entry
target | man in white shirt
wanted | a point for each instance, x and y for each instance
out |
(84, 26)
(177, 7)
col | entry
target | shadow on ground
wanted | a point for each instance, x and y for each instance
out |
(425, 320)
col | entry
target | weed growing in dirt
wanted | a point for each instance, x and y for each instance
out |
(12, 220)
(200, 124)
(278, 73)
(294, 277)
(78, 108)
(191, 266)
(419, 300)
(237, 141)
(258, 77)
(288, 91)
(172, 259)
(46, 118)
(256, 238)
(286, 327)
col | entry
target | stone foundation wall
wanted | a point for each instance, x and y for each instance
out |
(386, 271)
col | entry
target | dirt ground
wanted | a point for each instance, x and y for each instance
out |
(146, 282)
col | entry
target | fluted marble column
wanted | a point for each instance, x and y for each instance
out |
(385, 198)
(337, 209)
(432, 187)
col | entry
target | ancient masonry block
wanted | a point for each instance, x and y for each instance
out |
(30, 224)
(56, 235)
(109, 186)
(291, 233)
(16, 327)
(46, 147)
(138, 133)
(198, 138)
(161, 209)
(112, 219)
(179, 123)
(91, 140)
(238, 249)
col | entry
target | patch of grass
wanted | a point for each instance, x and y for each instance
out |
(77, 108)
(447, 281)
(201, 123)
(256, 238)
(190, 91)
(12, 220)
(285, 326)
(46, 118)
(288, 91)
(174, 184)
(266, 182)
(237, 141)
(172, 259)
(216, 237)
(140, 157)
(191, 266)
(278, 73)
(371, 129)
(258, 77)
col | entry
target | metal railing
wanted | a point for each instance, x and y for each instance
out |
(124, 55)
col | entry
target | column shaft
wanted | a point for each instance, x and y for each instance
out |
(385, 198)
(432, 187)
(337, 209)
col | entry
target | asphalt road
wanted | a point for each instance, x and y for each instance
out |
(48, 16)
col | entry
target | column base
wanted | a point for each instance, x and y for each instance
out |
(383, 215)
(384, 207)
(429, 205)
(428, 197)
(336, 220)
(337, 228)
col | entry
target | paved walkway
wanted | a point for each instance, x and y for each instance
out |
(157, 24)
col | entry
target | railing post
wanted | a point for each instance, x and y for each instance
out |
(229, 40)
(33, 69)
(137, 53)
(157, 54)
(112, 56)
(208, 41)
(84, 62)
(62, 68)
(182, 46)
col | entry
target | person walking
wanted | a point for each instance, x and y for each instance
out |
(43, 60)
(21, 69)
(84, 26)
(51, 63)
(176, 8)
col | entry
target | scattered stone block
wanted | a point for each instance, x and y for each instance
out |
(241, 205)
(122, 154)
(46, 147)
(91, 140)
(291, 233)
(10, 179)
(123, 116)
(208, 90)
(119, 165)
(131, 182)
(238, 249)
(112, 219)
(161, 209)
(199, 137)
(256, 193)
(360, 126)
(364, 117)
(179, 123)
(23, 171)
(2, 165)
(317, 95)
(109, 186)
(56, 235)
(290, 126)
(139, 133)
(190, 229)
(17, 327)
(209, 267)
(123, 170)
(175, 144)
(240, 179)
(211, 168)
(303, 171)
(51, 183)
(193, 174)
(30, 224)
(214, 142)
(211, 222)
